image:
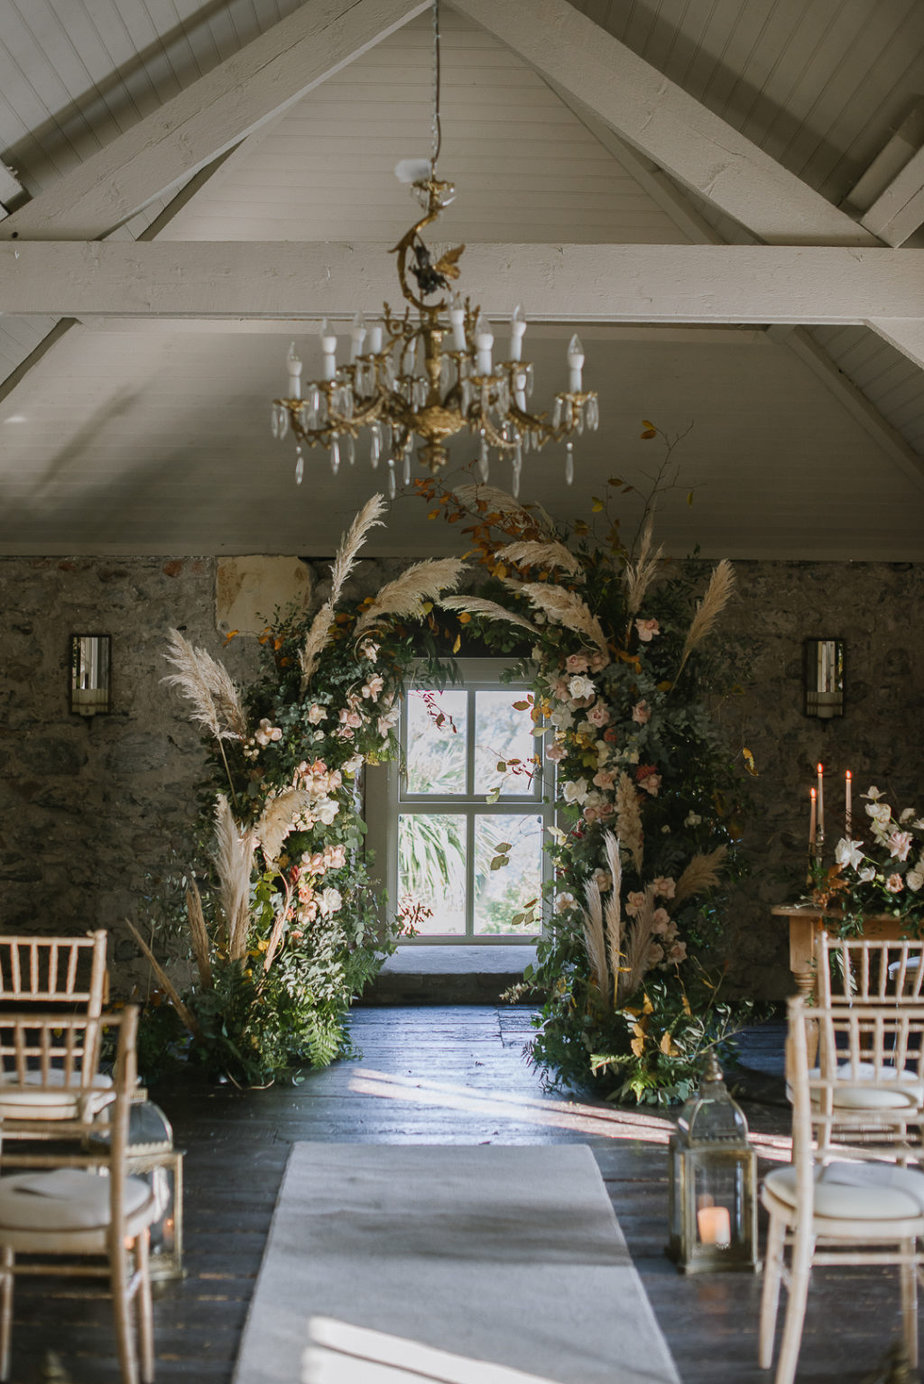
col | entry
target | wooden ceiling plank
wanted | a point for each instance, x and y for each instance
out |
(626, 282)
(898, 211)
(905, 334)
(205, 119)
(667, 125)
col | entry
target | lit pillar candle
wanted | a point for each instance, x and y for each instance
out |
(357, 336)
(848, 803)
(517, 332)
(813, 822)
(821, 801)
(295, 373)
(457, 322)
(329, 348)
(484, 341)
(575, 363)
(714, 1226)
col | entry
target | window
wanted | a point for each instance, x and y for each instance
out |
(466, 797)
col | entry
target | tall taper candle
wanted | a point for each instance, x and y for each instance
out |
(848, 803)
(812, 820)
(821, 802)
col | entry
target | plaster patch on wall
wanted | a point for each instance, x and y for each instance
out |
(249, 589)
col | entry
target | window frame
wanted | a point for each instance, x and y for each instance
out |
(386, 799)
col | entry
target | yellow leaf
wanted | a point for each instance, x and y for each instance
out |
(457, 644)
(665, 686)
(647, 423)
(749, 761)
(647, 1007)
(690, 498)
(686, 1008)
(668, 1046)
(230, 635)
(638, 1046)
(465, 618)
(596, 505)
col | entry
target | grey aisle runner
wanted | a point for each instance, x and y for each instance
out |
(503, 1254)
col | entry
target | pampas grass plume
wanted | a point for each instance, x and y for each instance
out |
(405, 596)
(718, 594)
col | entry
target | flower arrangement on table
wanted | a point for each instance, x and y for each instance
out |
(645, 807)
(879, 872)
(286, 929)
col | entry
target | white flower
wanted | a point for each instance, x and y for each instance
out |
(561, 718)
(330, 900)
(575, 791)
(907, 814)
(900, 843)
(848, 852)
(867, 873)
(692, 819)
(369, 650)
(316, 713)
(353, 765)
(326, 810)
(915, 879)
(872, 794)
(880, 812)
(580, 687)
(563, 902)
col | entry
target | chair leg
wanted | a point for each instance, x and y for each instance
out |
(144, 1306)
(6, 1310)
(909, 1280)
(799, 1275)
(122, 1313)
(770, 1292)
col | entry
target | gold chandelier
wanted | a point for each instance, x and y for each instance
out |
(404, 386)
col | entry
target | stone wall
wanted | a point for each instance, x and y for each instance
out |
(94, 814)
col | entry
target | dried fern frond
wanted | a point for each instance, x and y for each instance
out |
(701, 874)
(198, 934)
(368, 517)
(405, 596)
(499, 502)
(565, 608)
(233, 856)
(612, 912)
(639, 937)
(475, 605)
(718, 594)
(315, 640)
(187, 1017)
(207, 684)
(278, 818)
(594, 936)
(640, 574)
(528, 553)
(629, 819)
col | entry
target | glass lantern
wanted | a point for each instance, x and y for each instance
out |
(713, 1177)
(151, 1156)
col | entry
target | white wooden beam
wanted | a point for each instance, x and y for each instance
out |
(215, 112)
(899, 210)
(662, 121)
(594, 283)
(905, 334)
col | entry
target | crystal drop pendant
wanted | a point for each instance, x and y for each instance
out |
(392, 480)
(299, 466)
(387, 437)
(274, 421)
(530, 380)
(579, 421)
(515, 481)
(593, 413)
(556, 412)
(407, 468)
(335, 455)
(466, 395)
(569, 463)
(484, 459)
(350, 451)
(375, 444)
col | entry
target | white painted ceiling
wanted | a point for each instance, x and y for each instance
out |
(135, 431)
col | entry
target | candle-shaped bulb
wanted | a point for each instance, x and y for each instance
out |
(517, 330)
(457, 321)
(357, 335)
(484, 341)
(295, 373)
(329, 348)
(575, 363)
(375, 338)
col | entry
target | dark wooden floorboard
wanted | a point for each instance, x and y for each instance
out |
(440, 1076)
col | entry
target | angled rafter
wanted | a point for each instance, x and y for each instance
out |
(215, 112)
(618, 283)
(899, 209)
(662, 121)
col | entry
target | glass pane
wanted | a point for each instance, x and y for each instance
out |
(431, 871)
(503, 733)
(502, 894)
(436, 741)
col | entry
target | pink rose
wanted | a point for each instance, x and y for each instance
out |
(555, 753)
(677, 952)
(641, 713)
(604, 778)
(599, 716)
(900, 843)
(597, 661)
(647, 629)
(664, 887)
(634, 902)
(647, 777)
(576, 663)
(660, 921)
(895, 884)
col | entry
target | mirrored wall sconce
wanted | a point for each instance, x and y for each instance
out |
(823, 677)
(91, 674)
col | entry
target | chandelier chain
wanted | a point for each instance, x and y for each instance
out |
(436, 126)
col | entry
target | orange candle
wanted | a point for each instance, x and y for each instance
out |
(714, 1226)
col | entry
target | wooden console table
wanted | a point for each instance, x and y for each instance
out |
(805, 926)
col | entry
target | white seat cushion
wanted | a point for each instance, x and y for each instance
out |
(57, 1098)
(861, 1191)
(868, 1088)
(67, 1199)
(100, 1081)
